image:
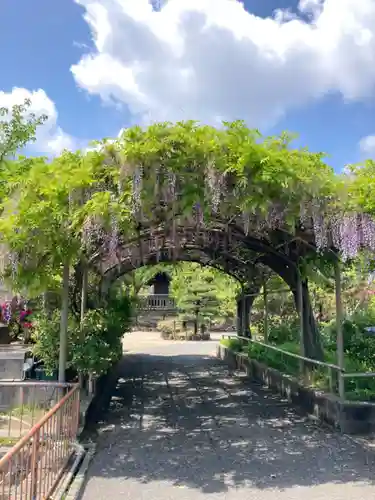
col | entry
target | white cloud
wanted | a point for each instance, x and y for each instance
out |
(51, 139)
(367, 145)
(211, 60)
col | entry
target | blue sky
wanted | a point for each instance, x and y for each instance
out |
(228, 66)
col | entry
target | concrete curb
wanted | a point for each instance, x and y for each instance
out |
(363, 441)
(67, 478)
(76, 486)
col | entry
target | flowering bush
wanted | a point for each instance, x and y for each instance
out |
(18, 318)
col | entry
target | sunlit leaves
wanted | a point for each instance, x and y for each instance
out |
(51, 205)
(17, 128)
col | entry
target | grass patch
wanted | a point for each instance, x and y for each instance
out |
(25, 411)
(8, 441)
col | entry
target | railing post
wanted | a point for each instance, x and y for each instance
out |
(340, 336)
(34, 465)
(331, 380)
(265, 299)
(77, 408)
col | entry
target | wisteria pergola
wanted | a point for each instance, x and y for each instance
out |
(226, 199)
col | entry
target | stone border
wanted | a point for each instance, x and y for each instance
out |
(350, 417)
(76, 487)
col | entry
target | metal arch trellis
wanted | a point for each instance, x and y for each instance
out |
(161, 232)
(223, 248)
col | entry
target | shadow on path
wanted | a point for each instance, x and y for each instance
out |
(182, 423)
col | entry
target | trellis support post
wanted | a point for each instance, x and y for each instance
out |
(301, 322)
(265, 299)
(63, 352)
(340, 336)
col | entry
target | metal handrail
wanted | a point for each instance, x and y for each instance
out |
(358, 375)
(344, 373)
(340, 371)
(293, 355)
(161, 295)
(33, 383)
(27, 437)
(33, 467)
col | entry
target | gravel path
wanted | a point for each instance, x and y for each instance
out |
(181, 427)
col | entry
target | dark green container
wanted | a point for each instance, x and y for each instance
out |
(40, 374)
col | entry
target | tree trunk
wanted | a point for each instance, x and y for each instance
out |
(196, 326)
(311, 335)
(247, 303)
(239, 317)
(312, 339)
(252, 290)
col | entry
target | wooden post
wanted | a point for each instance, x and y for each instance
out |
(63, 352)
(340, 336)
(265, 299)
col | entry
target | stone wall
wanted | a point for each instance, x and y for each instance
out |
(12, 359)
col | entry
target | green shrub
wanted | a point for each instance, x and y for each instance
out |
(46, 337)
(97, 346)
(275, 359)
(233, 344)
(280, 333)
(93, 347)
(357, 344)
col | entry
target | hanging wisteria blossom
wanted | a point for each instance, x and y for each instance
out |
(349, 237)
(198, 213)
(320, 229)
(14, 260)
(171, 187)
(113, 237)
(276, 218)
(368, 232)
(137, 190)
(335, 231)
(305, 213)
(215, 183)
(246, 222)
(92, 231)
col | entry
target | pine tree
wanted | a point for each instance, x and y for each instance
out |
(199, 303)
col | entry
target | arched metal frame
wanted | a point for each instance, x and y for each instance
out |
(224, 246)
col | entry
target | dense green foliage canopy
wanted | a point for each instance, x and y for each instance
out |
(78, 209)
(75, 204)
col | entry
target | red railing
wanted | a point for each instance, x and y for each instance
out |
(32, 469)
